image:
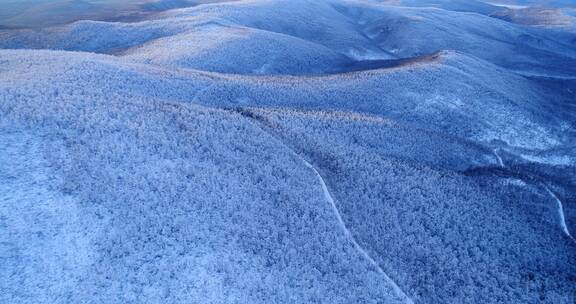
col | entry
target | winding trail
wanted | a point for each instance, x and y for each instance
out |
(399, 292)
(349, 235)
(562, 217)
(560, 213)
(498, 158)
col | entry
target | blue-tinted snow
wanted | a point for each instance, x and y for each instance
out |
(332, 151)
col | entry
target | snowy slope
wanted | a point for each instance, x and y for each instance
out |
(451, 92)
(46, 241)
(262, 151)
(361, 31)
(408, 32)
(210, 48)
(181, 209)
(437, 227)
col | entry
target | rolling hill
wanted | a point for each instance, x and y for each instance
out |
(260, 151)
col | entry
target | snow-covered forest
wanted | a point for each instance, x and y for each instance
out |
(288, 151)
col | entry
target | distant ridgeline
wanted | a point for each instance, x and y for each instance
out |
(42, 13)
(16, 14)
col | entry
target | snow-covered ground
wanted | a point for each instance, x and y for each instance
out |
(45, 249)
(289, 151)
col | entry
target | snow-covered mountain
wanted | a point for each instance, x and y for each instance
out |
(290, 151)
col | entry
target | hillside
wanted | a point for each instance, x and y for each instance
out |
(289, 151)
